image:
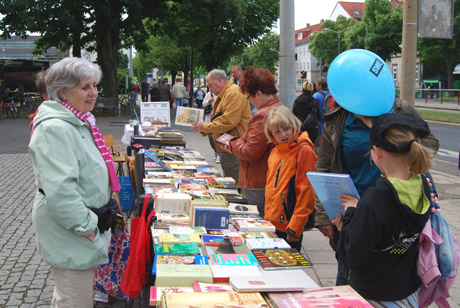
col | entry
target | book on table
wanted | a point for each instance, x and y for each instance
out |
(257, 234)
(243, 209)
(188, 230)
(262, 243)
(178, 259)
(157, 293)
(211, 217)
(246, 259)
(222, 273)
(215, 240)
(334, 296)
(212, 287)
(218, 299)
(182, 275)
(282, 281)
(179, 238)
(178, 249)
(253, 224)
(328, 187)
(222, 185)
(280, 258)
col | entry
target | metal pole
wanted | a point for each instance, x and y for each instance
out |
(409, 51)
(287, 79)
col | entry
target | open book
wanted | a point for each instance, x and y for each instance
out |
(328, 188)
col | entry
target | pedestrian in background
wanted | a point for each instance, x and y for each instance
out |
(289, 196)
(208, 104)
(199, 97)
(154, 95)
(303, 106)
(73, 170)
(178, 92)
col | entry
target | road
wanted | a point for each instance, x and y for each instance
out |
(449, 139)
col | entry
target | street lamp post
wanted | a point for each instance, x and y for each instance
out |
(338, 37)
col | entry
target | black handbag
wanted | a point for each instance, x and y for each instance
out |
(208, 109)
(106, 215)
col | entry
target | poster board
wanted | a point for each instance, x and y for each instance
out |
(155, 111)
(436, 18)
(186, 116)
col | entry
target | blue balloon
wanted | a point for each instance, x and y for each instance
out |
(361, 82)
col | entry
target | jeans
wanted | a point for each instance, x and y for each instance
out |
(343, 271)
(256, 197)
(179, 101)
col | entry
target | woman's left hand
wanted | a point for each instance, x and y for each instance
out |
(348, 201)
(338, 222)
(226, 148)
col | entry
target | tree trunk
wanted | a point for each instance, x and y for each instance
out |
(107, 42)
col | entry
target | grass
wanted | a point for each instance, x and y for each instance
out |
(440, 115)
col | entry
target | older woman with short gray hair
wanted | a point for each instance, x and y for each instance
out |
(73, 170)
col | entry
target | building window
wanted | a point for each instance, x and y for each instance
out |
(395, 71)
(417, 72)
(354, 12)
(299, 36)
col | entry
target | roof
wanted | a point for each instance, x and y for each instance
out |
(306, 32)
(354, 9)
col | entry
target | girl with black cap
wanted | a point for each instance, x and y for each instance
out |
(380, 232)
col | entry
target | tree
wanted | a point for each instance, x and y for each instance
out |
(218, 29)
(101, 25)
(263, 53)
(433, 51)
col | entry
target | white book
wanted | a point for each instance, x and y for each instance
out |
(261, 243)
(243, 209)
(279, 281)
(328, 187)
(172, 203)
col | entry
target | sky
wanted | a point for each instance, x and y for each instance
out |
(312, 11)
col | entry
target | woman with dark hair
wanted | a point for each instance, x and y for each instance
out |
(253, 147)
(303, 106)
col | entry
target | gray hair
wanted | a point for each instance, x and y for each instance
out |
(69, 73)
(217, 73)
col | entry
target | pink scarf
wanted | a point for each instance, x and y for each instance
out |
(100, 143)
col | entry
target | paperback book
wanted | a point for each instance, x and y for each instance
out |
(157, 293)
(179, 238)
(253, 224)
(212, 287)
(328, 187)
(243, 209)
(225, 139)
(178, 249)
(235, 259)
(182, 275)
(334, 296)
(211, 217)
(263, 243)
(177, 259)
(281, 281)
(215, 240)
(280, 258)
(218, 299)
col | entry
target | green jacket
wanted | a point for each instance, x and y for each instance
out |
(72, 173)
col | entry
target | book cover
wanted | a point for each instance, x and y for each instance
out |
(212, 287)
(256, 234)
(186, 116)
(262, 243)
(182, 275)
(253, 224)
(218, 299)
(187, 230)
(179, 238)
(328, 187)
(224, 185)
(235, 259)
(178, 249)
(225, 139)
(173, 218)
(157, 293)
(280, 258)
(211, 217)
(186, 187)
(243, 209)
(215, 240)
(281, 281)
(177, 259)
(200, 194)
(221, 273)
(334, 296)
(172, 203)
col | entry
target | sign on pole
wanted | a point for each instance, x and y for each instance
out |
(436, 18)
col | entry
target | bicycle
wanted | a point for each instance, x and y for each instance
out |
(28, 107)
(7, 105)
(123, 102)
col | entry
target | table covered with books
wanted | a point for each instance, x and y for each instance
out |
(152, 134)
(206, 238)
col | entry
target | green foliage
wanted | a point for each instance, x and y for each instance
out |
(121, 83)
(263, 53)
(217, 29)
(380, 31)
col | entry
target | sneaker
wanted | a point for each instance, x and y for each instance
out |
(218, 159)
(215, 156)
